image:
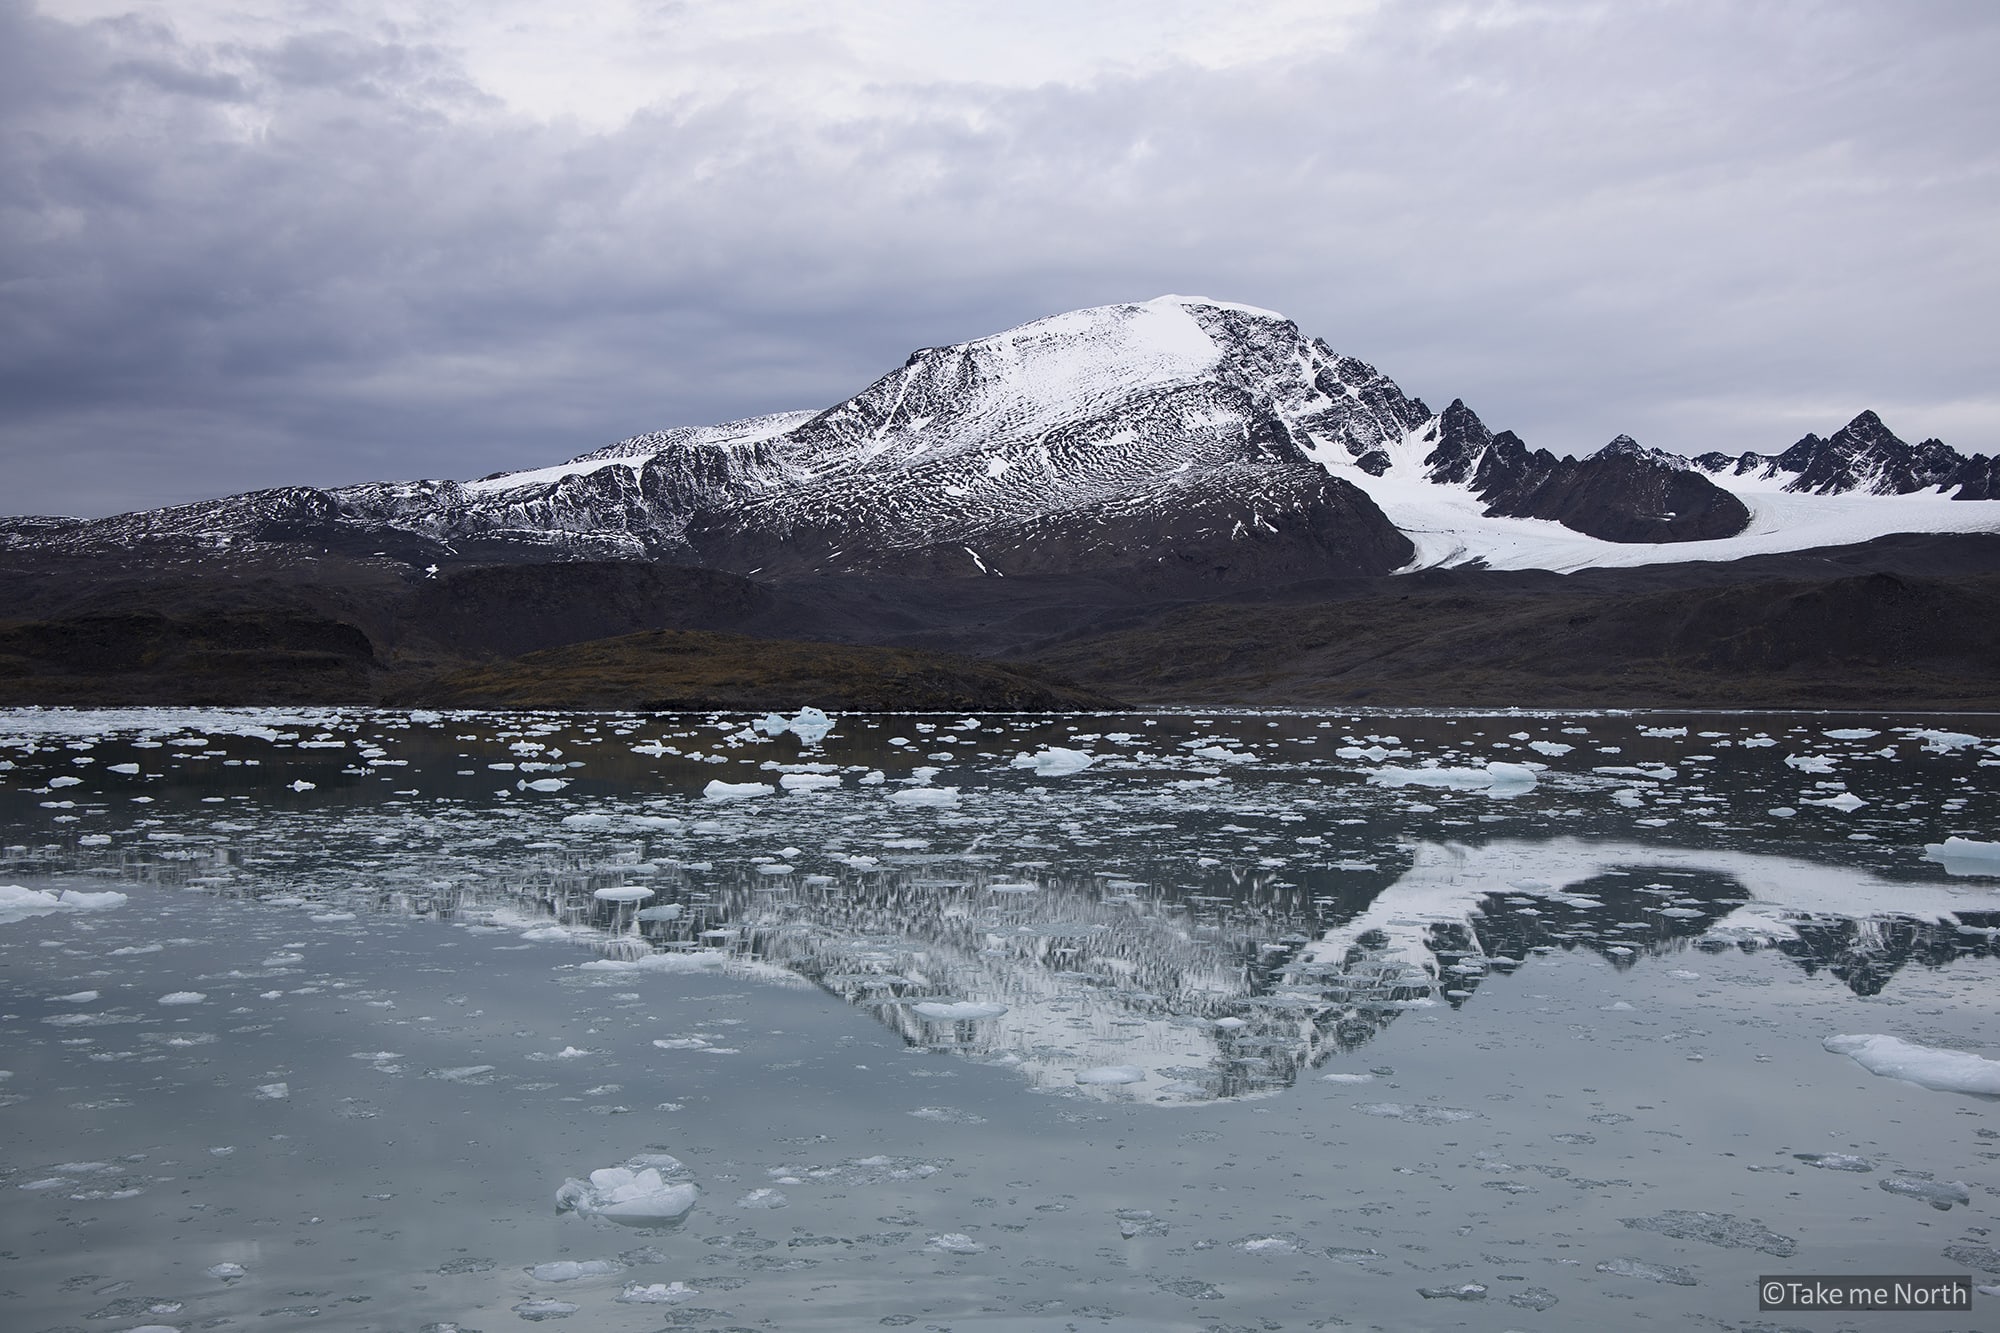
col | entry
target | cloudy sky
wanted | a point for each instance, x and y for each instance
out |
(248, 243)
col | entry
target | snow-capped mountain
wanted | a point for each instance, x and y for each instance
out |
(1180, 442)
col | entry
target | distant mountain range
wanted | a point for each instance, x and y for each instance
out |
(1174, 501)
(1181, 443)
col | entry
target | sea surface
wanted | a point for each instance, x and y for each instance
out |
(352, 1019)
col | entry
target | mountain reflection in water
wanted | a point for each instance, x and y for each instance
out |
(1176, 994)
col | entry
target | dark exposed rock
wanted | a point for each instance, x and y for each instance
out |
(1621, 493)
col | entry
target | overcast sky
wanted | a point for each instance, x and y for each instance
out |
(248, 243)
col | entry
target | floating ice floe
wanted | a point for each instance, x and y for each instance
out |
(18, 903)
(183, 997)
(1496, 776)
(1055, 762)
(809, 781)
(623, 893)
(1964, 856)
(963, 1010)
(718, 790)
(1925, 1066)
(931, 797)
(1846, 802)
(1943, 742)
(573, 1270)
(629, 1197)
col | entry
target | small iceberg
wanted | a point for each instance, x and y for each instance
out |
(1925, 1066)
(718, 790)
(1965, 856)
(633, 1198)
(1055, 762)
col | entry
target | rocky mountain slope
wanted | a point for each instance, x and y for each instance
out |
(1179, 443)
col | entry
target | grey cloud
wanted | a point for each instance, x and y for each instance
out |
(1702, 224)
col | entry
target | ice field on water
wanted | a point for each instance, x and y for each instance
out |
(346, 1019)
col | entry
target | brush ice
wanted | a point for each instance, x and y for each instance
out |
(1055, 761)
(657, 1293)
(1925, 1066)
(640, 1198)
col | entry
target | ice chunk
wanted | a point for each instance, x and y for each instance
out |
(1550, 748)
(274, 1092)
(572, 1270)
(1055, 762)
(623, 893)
(810, 725)
(931, 797)
(718, 790)
(952, 1242)
(183, 997)
(18, 903)
(1964, 856)
(1938, 1194)
(1679, 1277)
(538, 1309)
(1716, 1229)
(664, 912)
(1845, 802)
(1809, 763)
(1835, 1161)
(960, 1011)
(1925, 1066)
(1111, 1074)
(227, 1272)
(303, 785)
(809, 781)
(763, 1198)
(1943, 742)
(633, 1198)
(1418, 1115)
(1495, 776)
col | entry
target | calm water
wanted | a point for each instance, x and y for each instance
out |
(1255, 1022)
